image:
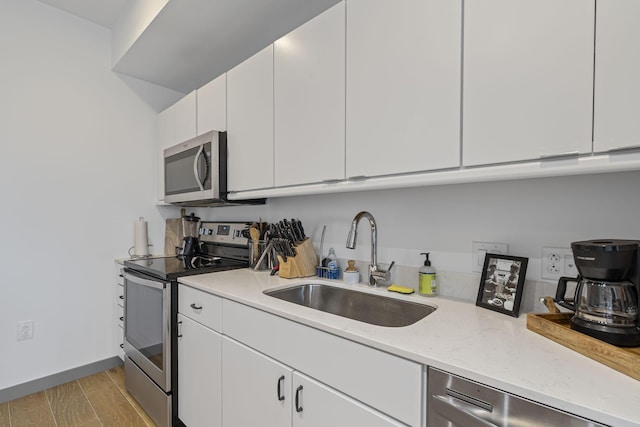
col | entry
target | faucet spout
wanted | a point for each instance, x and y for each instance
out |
(376, 275)
(353, 235)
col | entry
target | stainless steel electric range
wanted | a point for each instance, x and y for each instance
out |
(150, 314)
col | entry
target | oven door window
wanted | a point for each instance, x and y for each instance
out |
(181, 177)
(144, 321)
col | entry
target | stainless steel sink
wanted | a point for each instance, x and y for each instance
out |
(361, 306)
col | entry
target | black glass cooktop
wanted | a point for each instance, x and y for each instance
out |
(169, 268)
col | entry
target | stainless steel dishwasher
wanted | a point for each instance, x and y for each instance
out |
(454, 401)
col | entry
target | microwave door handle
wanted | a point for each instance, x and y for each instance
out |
(196, 172)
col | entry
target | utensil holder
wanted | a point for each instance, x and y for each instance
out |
(302, 264)
(257, 249)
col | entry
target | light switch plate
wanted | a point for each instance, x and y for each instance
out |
(480, 249)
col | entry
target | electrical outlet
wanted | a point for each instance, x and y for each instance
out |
(557, 262)
(480, 249)
(25, 330)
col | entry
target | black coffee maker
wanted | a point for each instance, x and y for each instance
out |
(605, 301)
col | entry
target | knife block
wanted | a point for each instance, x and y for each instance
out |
(303, 264)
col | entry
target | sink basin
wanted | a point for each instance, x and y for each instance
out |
(361, 306)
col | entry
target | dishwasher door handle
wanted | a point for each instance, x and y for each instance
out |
(456, 413)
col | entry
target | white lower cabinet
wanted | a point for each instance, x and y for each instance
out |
(239, 366)
(259, 390)
(316, 405)
(199, 374)
(376, 382)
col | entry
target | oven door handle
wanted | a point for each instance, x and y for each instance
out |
(145, 282)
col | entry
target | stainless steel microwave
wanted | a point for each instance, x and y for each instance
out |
(195, 171)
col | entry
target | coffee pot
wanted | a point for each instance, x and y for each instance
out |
(605, 301)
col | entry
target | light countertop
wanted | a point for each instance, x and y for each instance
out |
(469, 341)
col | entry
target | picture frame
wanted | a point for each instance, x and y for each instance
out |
(502, 283)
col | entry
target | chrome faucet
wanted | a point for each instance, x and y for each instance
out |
(377, 275)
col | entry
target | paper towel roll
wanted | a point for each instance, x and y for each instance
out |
(140, 238)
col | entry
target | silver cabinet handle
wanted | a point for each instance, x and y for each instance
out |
(559, 155)
(620, 149)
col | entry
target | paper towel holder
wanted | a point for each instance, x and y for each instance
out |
(134, 256)
(140, 240)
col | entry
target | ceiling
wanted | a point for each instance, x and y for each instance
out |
(101, 12)
(190, 42)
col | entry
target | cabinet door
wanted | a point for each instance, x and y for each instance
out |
(528, 79)
(176, 124)
(617, 82)
(212, 106)
(199, 375)
(310, 101)
(250, 123)
(184, 114)
(316, 405)
(257, 389)
(403, 86)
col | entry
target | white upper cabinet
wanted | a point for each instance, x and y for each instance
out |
(250, 123)
(309, 78)
(528, 79)
(403, 86)
(617, 75)
(212, 106)
(178, 122)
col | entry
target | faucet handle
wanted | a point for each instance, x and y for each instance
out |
(380, 276)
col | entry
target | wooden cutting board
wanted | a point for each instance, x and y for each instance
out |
(557, 327)
(173, 234)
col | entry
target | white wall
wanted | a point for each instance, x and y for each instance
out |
(75, 172)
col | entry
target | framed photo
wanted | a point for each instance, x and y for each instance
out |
(502, 283)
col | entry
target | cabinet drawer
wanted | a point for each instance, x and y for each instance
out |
(201, 307)
(120, 295)
(121, 316)
(119, 275)
(386, 382)
(120, 342)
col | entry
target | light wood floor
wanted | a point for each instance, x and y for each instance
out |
(96, 400)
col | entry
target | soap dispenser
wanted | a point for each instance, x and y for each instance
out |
(427, 285)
